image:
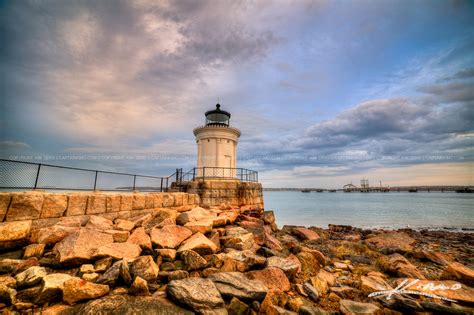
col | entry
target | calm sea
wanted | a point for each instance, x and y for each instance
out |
(373, 210)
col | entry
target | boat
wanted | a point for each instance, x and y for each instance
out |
(319, 190)
(305, 190)
(413, 190)
(332, 190)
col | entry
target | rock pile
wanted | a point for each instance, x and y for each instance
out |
(225, 260)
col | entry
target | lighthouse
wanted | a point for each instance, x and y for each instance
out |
(216, 145)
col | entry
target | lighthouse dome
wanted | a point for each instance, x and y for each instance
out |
(217, 116)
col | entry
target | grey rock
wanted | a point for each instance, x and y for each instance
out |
(236, 284)
(290, 268)
(192, 260)
(198, 293)
(30, 276)
(311, 291)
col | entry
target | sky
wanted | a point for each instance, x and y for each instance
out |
(324, 92)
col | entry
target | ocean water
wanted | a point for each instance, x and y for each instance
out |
(393, 210)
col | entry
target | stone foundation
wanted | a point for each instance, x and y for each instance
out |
(233, 193)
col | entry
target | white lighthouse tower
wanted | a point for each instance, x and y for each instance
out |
(217, 145)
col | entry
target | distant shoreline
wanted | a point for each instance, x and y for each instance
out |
(395, 188)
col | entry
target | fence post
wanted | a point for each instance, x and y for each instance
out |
(37, 176)
(256, 175)
(134, 181)
(95, 179)
(161, 185)
(194, 173)
(203, 173)
(167, 183)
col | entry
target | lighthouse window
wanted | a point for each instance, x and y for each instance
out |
(208, 140)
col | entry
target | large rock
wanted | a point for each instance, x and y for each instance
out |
(273, 278)
(25, 206)
(198, 293)
(99, 223)
(447, 289)
(139, 287)
(169, 236)
(75, 290)
(305, 234)
(77, 204)
(202, 226)
(52, 286)
(349, 307)
(7, 294)
(196, 214)
(247, 257)
(459, 272)
(192, 260)
(111, 275)
(236, 284)
(79, 247)
(118, 251)
(238, 238)
(140, 238)
(124, 225)
(198, 243)
(130, 305)
(53, 234)
(256, 228)
(372, 283)
(30, 276)
(290, 267)
(399, 266)
(4, 203)
(14, 234)
(392, 242)
(145, 267)
(54, 205)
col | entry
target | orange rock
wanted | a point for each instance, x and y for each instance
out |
(305, 234)
(273, 278)
(458, 271)
(393, 242)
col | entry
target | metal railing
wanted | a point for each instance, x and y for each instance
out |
(20, 175)
(28, 175)
(203, 173)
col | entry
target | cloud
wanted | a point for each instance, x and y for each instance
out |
(13, 145)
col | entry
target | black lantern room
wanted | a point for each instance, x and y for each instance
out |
(217, 117)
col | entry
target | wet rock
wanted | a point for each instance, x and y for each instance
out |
(192, 260)
(75, 290)
(14, 234)
(290, 267)
(52, 286)
(33, 250)
(236, 284)
(99, 223)
(198, 293)
(196, 214)
(198, 243)
(348, 307)
(118, 251)
(166, 254)
(139, 287)
(272, 277)
(305, 234)
(238, 238)
(170, 236)
(392, 242)
(124, 225)
(145, 267)
(311, 291)
(79, 247)
(400, 266)
(140, 238)
(30, 276)
(128, 305)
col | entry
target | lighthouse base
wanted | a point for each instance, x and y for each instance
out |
(231, 192)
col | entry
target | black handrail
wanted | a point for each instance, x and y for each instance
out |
(28, 175)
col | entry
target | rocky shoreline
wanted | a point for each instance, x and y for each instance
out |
(226, 260)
